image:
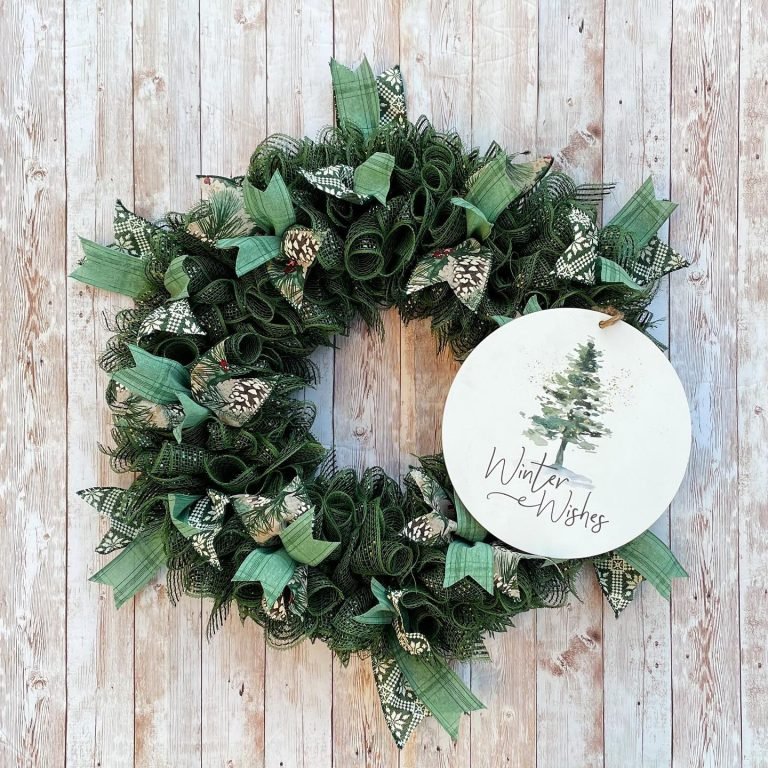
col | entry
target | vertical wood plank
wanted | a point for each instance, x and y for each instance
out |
(99, 125)
(435, 56)
(505, 74)
(570, 654)
(166, 102)
(637, 653)
(232, 101)
(299, 680)
(366, 420)
(705, 611)
(33, 407)
(752, 378)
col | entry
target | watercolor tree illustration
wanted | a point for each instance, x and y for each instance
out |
(572, 404)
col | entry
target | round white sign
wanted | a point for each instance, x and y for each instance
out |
(564, 439)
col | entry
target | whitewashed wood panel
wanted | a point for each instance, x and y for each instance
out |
(32, 395)
(133, 102)
(752, 374)
(706, 724)
(99, 115)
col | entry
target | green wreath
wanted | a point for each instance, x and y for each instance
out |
(234, 494)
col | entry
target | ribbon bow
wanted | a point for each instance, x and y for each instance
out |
(200, 519)
(164, 394)
(365, 101)
(466, 268)
(355, 185)
(640, 218)
(494, 187)
(288, 521)
(122, 269)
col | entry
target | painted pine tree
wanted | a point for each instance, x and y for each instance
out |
(572, 404)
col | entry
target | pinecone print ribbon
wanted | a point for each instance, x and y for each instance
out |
(466, 268)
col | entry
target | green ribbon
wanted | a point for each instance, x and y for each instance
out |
(643, 215)
(371, 179)
(272, 569)
(654, 560)
(176, 278)
(473, 560)
(441, 690)
(300, 543)
(134, 567)
(157, 379)
(112, 270)
(356, 96)
(494, 188)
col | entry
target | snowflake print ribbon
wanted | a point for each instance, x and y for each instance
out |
(370, 180)
(402, 709)
(112, 503)
(466, 268)
(200, 519)
(174, 317)
(638, 220)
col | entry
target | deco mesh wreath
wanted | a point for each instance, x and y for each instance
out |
(233, 493)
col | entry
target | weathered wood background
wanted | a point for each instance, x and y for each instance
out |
(114, 99)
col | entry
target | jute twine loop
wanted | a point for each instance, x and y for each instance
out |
(614, 315)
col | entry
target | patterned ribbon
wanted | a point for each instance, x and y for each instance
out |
(466, 268)
(640, 218)
(370, 180)
(108, 268)
(365, 101)
(287, 519)
(162, 393)
(200, 519)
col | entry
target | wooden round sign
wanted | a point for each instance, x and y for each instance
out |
(565, 439)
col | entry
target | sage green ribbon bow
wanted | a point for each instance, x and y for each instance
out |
(640, 218)
(494, 187)
(412, 681)
(466, 268)
(142, 547)
(164, 394)
(365, 101)
(370, 180)
(283, 528)
(121, 269)
(620, 572)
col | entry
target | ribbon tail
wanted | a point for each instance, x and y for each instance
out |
(438, 687)
(654, 560)
(134, 567)
(401, 707)
(112, 270)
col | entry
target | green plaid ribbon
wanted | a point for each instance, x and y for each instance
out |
(370, 180)
(619, 573)
(356, 96)
(272, 569)
(112, 270)
(176, 278)
(494, 187)
(134, 567)
(437, 686)
(640, 218)
(300, 543)
(466, 268)
(157, 379)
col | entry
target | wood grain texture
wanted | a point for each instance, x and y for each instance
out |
(166, 139)
(752, 369)
(636, 648)
(232, 103)
(32, 396)
(706, 724)
(100, 663)
(131, 100)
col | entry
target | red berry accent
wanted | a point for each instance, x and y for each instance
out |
(290, 267)
(224, 364)
(207, 180)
